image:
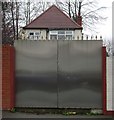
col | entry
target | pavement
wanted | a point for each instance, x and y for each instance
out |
(10, 115)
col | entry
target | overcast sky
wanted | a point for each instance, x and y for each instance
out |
(106, 28)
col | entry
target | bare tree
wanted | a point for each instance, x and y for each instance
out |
(30, 10)
(88, 9)
(109, 47)
(17, 7)
(69, 10)
(13, 18)
(108, 44)
(7, 25)
(10, 24)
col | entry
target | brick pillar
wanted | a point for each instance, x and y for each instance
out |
(7, 77)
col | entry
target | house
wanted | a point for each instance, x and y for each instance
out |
(53, 24)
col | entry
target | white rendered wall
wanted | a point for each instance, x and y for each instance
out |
(77, 33)
(109, 89)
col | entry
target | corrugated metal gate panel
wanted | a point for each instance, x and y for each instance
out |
(36, 73)
(80, 77)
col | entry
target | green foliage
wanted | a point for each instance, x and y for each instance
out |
(13, 110)
(69, 113)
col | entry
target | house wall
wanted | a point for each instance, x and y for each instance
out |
(77, 33)
(44, 35)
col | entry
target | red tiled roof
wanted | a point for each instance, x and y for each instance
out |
(53, 18)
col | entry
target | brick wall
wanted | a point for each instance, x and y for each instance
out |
(7, 77)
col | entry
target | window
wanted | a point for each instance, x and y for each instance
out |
(61, 32)
(69, 32)
(34, 35)
(31, 33)
(68, 37)
(61, 35)
(53, 37)
(53, 32)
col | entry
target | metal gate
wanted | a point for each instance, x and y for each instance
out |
(63, 74)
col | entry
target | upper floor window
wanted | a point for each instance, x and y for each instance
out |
(61, 35)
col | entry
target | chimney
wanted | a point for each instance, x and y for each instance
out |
(79, 20)
(79, 17)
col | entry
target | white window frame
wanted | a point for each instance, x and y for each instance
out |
(56, 32)
(34, 36)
